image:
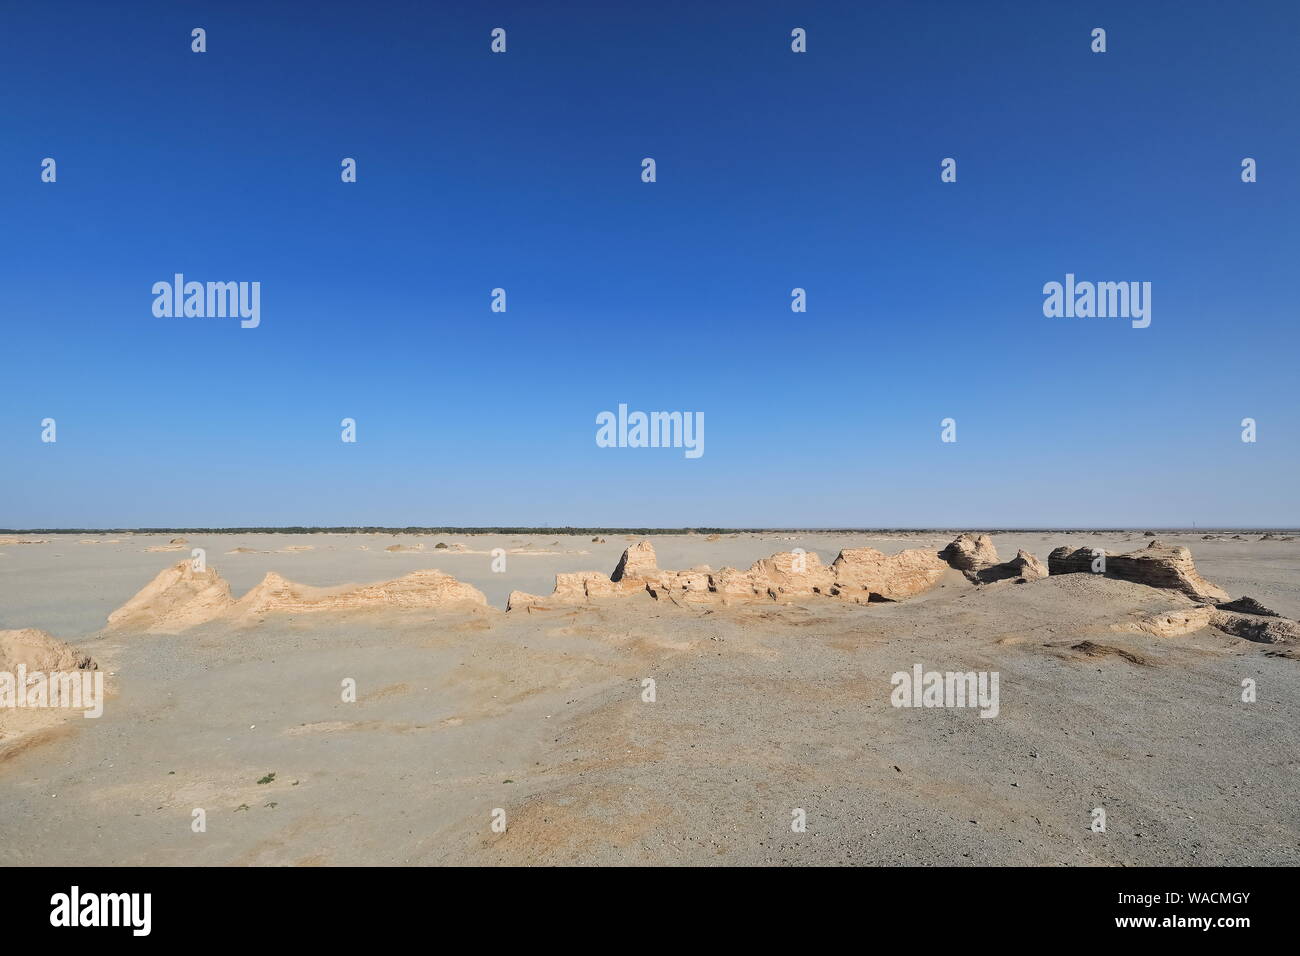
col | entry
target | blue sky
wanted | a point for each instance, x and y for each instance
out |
(775, 170)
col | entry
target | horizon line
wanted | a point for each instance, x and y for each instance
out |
(574, 529)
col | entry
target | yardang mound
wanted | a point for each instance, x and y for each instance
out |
(180, 598)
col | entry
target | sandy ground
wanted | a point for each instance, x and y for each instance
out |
(761, 709)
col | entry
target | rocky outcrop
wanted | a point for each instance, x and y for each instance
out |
(1260, 628)
(178, 598)
(1024, 567)
(637, 562)
(970, 552)
(1247, 605)
(858, 574)
(582, 586)
(865, 573)
(691, 586)
(1066, 560)
(1162, 566)
(731, 584)
(419, 589)
(36, 650)
(43, 681)
(522, 599)
(792, 574)
(977, 558)
(1170, 623)
(1157, 565)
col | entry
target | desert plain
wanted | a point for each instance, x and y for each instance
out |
(226, 694)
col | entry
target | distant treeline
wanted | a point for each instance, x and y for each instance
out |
(368, 529)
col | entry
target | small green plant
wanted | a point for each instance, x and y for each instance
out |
(268, 778)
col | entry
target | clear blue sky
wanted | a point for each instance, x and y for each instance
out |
(775, 170)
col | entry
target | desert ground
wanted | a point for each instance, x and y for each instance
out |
(1113, 695)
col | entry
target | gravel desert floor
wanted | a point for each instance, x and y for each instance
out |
(640, 730)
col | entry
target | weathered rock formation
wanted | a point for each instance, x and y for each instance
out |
(970, 552)
(180, 598)
(1262, 629)
(976, 557)
(1174, 623)
(177, 599)
(1247, 605)
(636, 562)
(38, 651)
(1067, 560)
(1161, 566)
(1157, 565)
(863, 573)
(581, 586)
(858, 574)
(1022, 568)
(419, 589)
(522, 599)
